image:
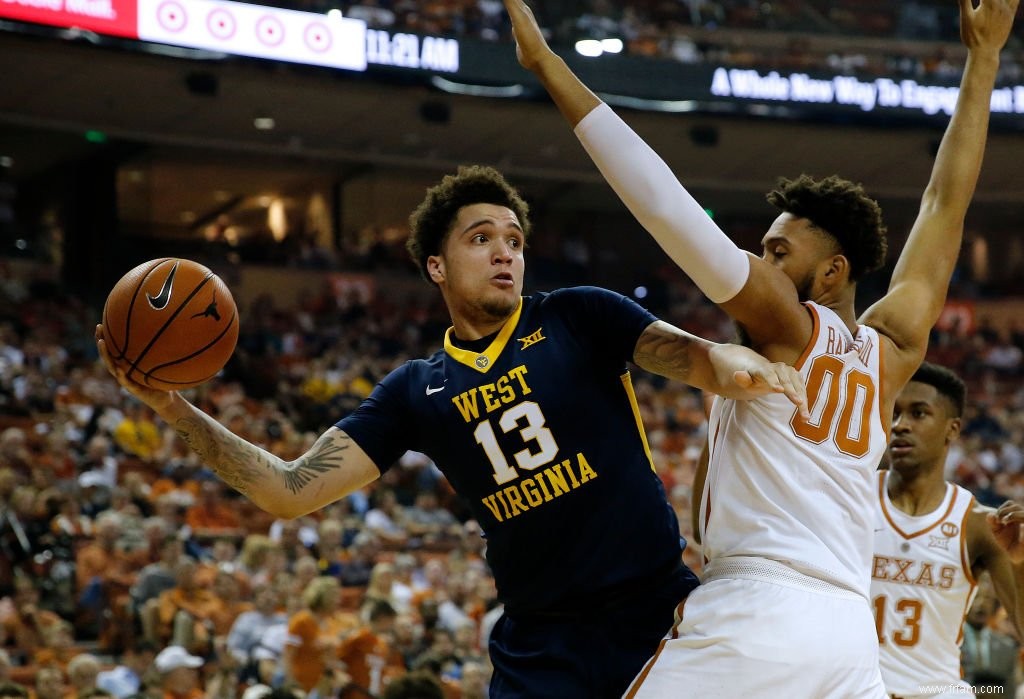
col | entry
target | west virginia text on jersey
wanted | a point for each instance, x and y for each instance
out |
(537, 427)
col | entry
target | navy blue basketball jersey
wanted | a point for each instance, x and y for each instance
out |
(540, 433)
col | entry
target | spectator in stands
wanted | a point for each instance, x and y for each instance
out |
(330, 551)
(104, 573)
(179, 673)
(315, 633)
(294, 537)
(83, 670)
(137, 434)
(362, 556)
(178, 485)
(210, 517)
(228, 604)
(386, 520)
(367, 653)
(415, 685)
(305, 570)
(407, 638)
(12, 690)
(248, 629)
(159, 576)
(989, 657)
(182, 613)
(476, 675)
(58, 646)
(426, 522)
(23, 621)
(125, 679)
(379, 589)
(50, 683)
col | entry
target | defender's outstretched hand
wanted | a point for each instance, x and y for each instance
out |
(987, 26)
(155, 399)
(1007, 525)
(531, 47)
(745, 374)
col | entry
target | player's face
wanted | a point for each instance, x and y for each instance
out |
(793, 245)
(922, 427)
(481, 265)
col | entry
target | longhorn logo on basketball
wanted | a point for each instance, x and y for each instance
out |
(210, 312)
(950, 529)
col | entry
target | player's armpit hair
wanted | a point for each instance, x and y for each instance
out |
(842, 210)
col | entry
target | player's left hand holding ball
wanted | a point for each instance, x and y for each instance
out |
(154, 398)
(1007, 524)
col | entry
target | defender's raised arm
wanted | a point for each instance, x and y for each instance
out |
(926, 264)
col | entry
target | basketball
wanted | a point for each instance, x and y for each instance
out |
(170, 324)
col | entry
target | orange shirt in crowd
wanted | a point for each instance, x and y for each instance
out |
(112, 567)
(369, 659)
(199, 603)
(163, 486)
(218, 517)
(310, 638)
(194, 693)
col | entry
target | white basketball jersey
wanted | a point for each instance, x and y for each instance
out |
(800, 492)
(921, 587)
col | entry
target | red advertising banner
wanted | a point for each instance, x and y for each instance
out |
(113, 17)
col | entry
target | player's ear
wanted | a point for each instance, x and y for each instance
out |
(838, 268)
(952, 430)
(435, 268)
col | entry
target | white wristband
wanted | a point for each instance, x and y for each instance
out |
(659, 202)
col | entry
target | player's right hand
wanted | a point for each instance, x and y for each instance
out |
(531, 47)
(775, 377)
(155, 399)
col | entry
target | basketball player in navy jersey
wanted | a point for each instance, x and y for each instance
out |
(932, 541)
(530, 413)
(778, 579)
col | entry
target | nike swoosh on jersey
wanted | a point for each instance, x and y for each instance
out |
(432, 391)
(159, 302)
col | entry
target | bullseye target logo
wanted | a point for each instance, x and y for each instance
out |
(255, 30)
(171, 16)
(318, 37)
(270, 30)
(221, 24)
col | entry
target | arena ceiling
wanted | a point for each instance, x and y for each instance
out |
(343, 124)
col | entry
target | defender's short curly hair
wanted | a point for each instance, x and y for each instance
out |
(433, 218)
(841, 209)
(946, 382)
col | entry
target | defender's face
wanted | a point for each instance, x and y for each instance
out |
(922, 426)
(793, 245)
(481, 265)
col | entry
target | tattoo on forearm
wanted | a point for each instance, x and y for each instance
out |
(238, 463)
(325, 455)
(665, 353)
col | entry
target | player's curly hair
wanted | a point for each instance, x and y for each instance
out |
(946, 382)
(430, 222)
(841, 209)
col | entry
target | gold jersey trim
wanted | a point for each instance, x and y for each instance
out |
(483, 361)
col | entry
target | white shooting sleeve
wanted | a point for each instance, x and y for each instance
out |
(662, 205)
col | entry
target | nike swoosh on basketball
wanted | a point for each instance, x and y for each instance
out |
(159, 302)
(432, 391)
